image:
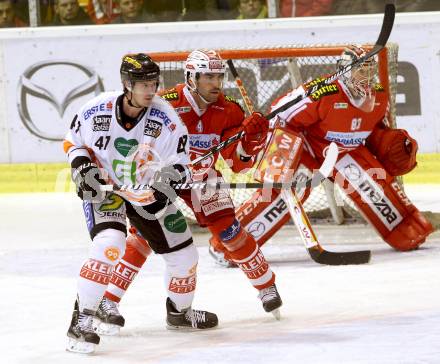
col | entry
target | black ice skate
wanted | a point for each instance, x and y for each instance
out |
(271, 300)
(108, 320)
(81, 337)
(189, 318)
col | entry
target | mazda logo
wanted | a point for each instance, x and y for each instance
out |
(27, 86)
(256, 229)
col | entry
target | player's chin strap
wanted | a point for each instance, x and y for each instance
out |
(131, 103)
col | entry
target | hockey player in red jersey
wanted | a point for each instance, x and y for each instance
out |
(211, 117)
(353, 113)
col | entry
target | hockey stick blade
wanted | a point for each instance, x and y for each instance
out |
(344, 258)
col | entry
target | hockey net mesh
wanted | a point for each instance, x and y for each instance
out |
(268, 73)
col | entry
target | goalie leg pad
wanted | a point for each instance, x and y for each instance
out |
(380, 199)
(262, 216)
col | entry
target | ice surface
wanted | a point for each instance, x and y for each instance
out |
(385, 312)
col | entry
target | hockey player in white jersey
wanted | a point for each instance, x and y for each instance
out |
(129, 138)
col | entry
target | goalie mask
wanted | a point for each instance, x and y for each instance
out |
(201, 61)
(138, 67)
(360, 80)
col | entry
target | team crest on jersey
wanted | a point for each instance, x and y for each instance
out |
(152, 128)
(379, 87)
(171, 95)
(101, 122)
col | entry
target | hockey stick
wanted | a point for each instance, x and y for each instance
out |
(387, 26)
(247, 101)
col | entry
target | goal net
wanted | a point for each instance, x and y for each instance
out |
(268, 73)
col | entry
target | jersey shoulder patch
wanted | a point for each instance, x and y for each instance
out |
(322, 90)
(170, 94)
(233, 100)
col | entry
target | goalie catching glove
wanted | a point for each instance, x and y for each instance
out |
(255, 127)
(394, 148)
(88, 180)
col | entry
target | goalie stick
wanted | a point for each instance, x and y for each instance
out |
(297, 212)
(387, 26)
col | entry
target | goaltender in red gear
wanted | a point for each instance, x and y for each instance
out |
(352, 112)
(211, 117)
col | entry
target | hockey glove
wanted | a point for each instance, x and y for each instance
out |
(255, 127)
(167, 179)
(88, 180)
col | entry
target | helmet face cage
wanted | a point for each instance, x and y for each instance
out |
(361, 79)
(137, 68)
(201, 61)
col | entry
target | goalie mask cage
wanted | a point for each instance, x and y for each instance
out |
(268, 73)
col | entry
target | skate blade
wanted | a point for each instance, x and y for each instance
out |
(276, 313)
(102, 328)
(80, 347)
(187, 328)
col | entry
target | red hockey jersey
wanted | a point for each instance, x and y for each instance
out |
(218, 122)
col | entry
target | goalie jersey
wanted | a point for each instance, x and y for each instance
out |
(129, 152)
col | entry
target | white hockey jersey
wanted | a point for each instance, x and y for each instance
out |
(129, 153)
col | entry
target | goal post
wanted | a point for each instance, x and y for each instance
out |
(268, 73)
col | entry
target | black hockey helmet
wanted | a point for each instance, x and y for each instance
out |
(139, 67)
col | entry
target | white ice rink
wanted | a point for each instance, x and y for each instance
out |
(385, 312)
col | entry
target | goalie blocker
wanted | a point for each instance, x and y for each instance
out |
(361, 176)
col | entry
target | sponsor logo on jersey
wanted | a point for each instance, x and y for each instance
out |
(231, 232)
(350, 139)
(340, 105)
(125, 171)
(379, 87)
(171, 96)
(152, 128)
(93, 110)
(370, 192)
(183, 109)
(324, 91)
(101, 122)
(183, 285)
(111, 203)
(126, 147)
(175, 223)
(112, 253)
(203, 141)
(160, 115)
